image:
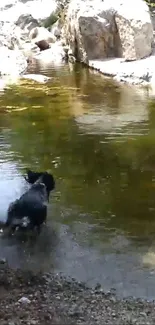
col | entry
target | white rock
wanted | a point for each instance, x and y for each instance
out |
(12, 62)
(135, 29)
(39, 9)
(24, 300)
(10, 35)
(55, 55)
(29, 49)
(41, 37)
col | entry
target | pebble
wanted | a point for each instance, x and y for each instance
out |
(24, 300)
(113, 299)
(143, 314)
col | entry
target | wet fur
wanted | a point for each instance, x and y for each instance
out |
(32, 204)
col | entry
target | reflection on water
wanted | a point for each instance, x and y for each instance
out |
(98, 139)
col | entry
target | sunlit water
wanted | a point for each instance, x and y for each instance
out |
(98, 139)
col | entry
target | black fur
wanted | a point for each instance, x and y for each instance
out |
(31, 208)
(46, 179)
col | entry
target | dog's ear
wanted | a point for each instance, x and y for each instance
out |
(49, 181)
(31, 176)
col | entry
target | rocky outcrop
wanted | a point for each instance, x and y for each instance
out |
(102, 34)
(135, 29)
(97, 29)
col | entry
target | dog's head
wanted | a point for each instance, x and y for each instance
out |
(32, 176)
(41, 177)
(48, 180)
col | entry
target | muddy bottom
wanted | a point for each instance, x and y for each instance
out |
(36, 298)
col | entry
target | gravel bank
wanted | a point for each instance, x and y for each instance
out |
(37, 299)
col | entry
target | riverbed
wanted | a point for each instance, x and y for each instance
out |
(97, 137)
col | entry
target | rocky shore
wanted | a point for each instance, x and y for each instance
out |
(109, 36)
(36, 299)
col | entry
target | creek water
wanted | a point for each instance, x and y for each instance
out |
(98, 139)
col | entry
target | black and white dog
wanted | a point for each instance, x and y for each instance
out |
(30, 210)
(46, 179)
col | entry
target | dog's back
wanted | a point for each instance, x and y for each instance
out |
(32, 204)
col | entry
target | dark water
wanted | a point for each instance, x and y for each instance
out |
(98, 139)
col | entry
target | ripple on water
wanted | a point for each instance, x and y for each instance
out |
(98, 139)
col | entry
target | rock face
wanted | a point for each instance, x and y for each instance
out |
(135, 29)
(97, 29)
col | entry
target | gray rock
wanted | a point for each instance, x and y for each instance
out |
(27, 22)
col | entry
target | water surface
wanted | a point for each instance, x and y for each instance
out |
(98, 139)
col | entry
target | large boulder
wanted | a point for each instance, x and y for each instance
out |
(135, 29)
(97, 29)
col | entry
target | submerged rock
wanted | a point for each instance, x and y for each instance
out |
(36, 77)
